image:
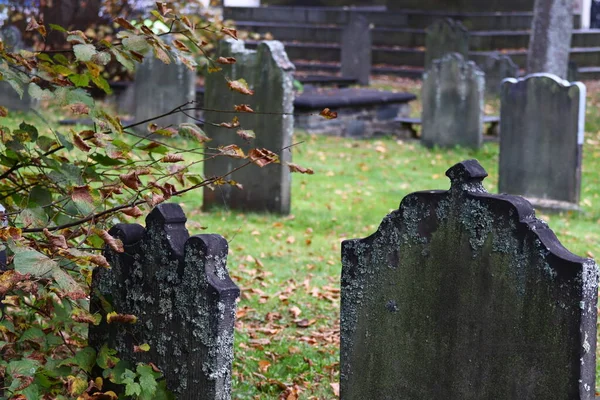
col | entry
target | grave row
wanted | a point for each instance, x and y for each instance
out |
(459, 294)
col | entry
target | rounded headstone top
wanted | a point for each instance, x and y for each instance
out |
(466, 173)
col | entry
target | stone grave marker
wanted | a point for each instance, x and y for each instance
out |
(445, 36)
(542, 123)
(179, 289)
(159, 88)
(9, 97)
(550, 40)
(268, 71)
(466, 295)
(496, 68)
(356, 49)
(453, 96)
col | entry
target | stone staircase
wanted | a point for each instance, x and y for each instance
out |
(312, 35)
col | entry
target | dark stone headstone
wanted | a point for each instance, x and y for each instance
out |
(452, 96)
(356, 49)
(179, 289)
(595, 14)
(445, 36)
(542, 125)
(465, 295)
(160, 88)
(550, 40)
(497, 67)
(268, 71)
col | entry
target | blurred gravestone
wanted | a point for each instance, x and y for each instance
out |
(542, 125)
(356, 49)
(465, 295)
(445, 36)
(9, 97)
(268, 71)
(179, 289)
(452, 96)
(159, 88)
(550, 39)
(497, 67)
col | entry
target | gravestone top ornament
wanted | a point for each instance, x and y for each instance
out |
(463, 294)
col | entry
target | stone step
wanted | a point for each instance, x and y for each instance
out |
(330, 52)
(495, 21)
(406, 37)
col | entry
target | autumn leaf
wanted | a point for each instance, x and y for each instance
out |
(328, 114)
(172, 158)
(131, 180)
(120, 318)
(246, 134)
(115, 244)
(80, 109)
(79, 142)
(3, 111)
(226, 60)
(34, 25)
(295, 311)
(179, 45)
(297, 168)
(82, 194)
(235, 122)
(232, 150)
(142, 348)
(124, 23)
(240, 86)
(263, 365)
(262, 157)
(229, 31)
(55, 241)
(244, 108)
(162, 8)
(133, 211)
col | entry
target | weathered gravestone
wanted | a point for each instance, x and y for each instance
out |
(445, 36)
(268, 71)
(160, 88)
(542, 123)
(179, 289)
(12, 95)
(453, 96)
(550, 41)
(496, 68)
(356, 49)
(465, 295)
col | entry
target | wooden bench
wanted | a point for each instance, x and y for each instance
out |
(492, 121)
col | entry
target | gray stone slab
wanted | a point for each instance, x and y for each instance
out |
(356, 49)
(465, 295)
(445, 36)
(269, 72)
(550, 41)
(453, 97)
(160, 88)
(497, 67)
(542, 126)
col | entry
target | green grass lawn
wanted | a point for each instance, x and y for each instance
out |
(288, 268)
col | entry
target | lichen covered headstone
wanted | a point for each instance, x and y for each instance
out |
(445, 36)
(179, 289)
(542, 120)
(465, 295)
(453, 96)
(269, 73)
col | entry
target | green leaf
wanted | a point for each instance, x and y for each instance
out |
(34, 263)
(38, 93)
(25, 367)
(39, 196)
(32, 217)
(61, 59)
(66, 281)
(147, 381)
(102, 84)
(105, 160)
(86, 358)
(55, 27)
(106, 359)
(30, 129)
(84, 52)
(124, 59)
(80, 80)
(65, 141)
(137, 43)
(33, 334)
(45, 142)
(64, 71)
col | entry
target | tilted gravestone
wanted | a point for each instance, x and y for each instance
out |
(465, 295)
(496, 68)
(268, 71)
(452, 95)
(445, 36)
(542, 123)
(179, 289)
(159, 88)
(356, 49)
